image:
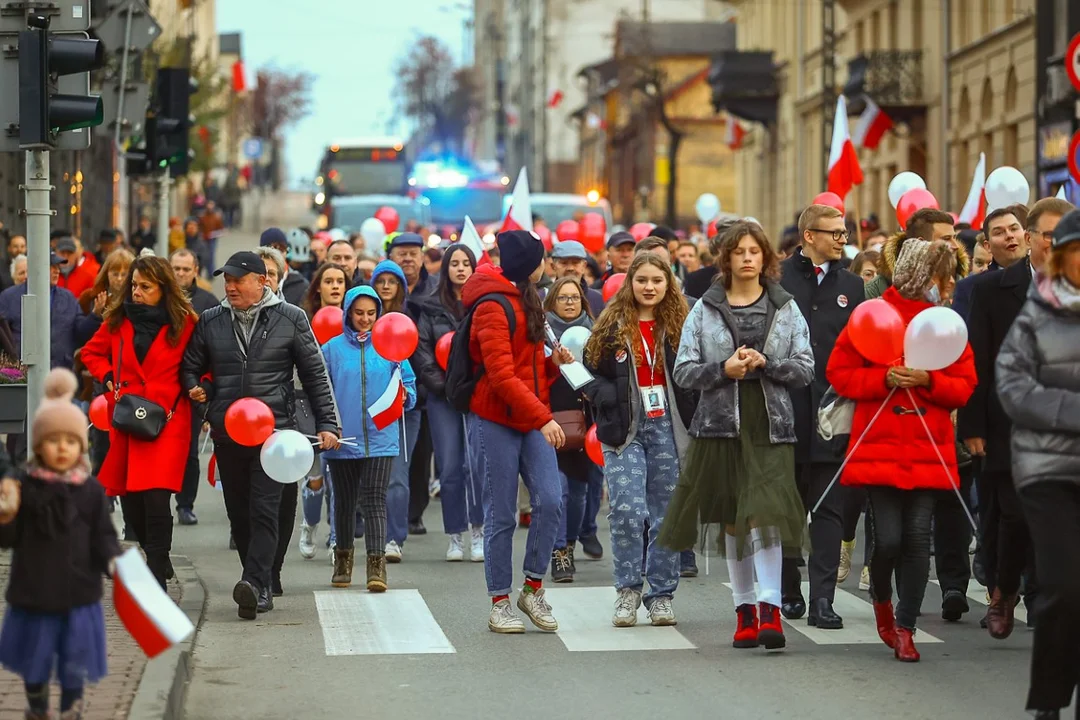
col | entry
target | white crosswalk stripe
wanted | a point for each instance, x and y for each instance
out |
(397, 622)
(584, 615)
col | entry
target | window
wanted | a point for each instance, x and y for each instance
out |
(1012, 143)
(988, 148)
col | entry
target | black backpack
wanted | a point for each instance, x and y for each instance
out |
(461, 373)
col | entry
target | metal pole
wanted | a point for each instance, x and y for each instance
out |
(121, 166)
(36, 340)
(162, 247)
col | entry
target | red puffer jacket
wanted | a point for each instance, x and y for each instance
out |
(513, 390)
(896, 451)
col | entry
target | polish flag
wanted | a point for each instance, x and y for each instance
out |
(391, 404)
(844, 170)
(555, 98)
(974, 210)
(239, 79)
(211, 474)
(872, 126)
(470, 238)
(734, 134)
(148, 613)
(520, 215)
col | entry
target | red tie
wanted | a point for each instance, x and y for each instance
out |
(818, 271)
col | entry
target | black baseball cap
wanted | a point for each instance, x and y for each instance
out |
(55, 259)
(1067, 230)
(241, 264)
(621, 238)
(273, 236)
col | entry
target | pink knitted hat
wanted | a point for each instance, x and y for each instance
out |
(57, 413)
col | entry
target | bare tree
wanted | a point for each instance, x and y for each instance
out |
(280, 99)
(440, 97)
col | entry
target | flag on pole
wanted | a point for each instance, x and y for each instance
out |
(844, 170)
(239, 79)
(470, 238)
(974, 210)
(734, 133)
(519, 216)
(148, 613)
(391, 404)
(872, 126)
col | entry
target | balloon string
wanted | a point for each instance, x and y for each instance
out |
(944, 465)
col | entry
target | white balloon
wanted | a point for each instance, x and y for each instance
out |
(373, 232)
(707, 208)
(574, 340)
(1006, 186)
(903, 182)
(286, 456)
(934, 339)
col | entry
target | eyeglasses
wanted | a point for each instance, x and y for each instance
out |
(836, 234)
(568, 299)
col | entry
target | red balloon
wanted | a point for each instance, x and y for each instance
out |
(593, 448)
(442, 349)
(612, 285)
(544, 234)
(568, 230)
(593, 230)
(640, 231)
(395, 337)
(327, 324)
(831, 199)
(388, 216)
(877, 331)
(99, 413)
(913, 201)
(249, 421)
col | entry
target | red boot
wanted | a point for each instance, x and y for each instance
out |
(905, 646)
(770, 631)
(886, 622)
(746, 633)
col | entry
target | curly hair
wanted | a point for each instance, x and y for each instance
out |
(173, 297)
(617, 326)
(770, 263)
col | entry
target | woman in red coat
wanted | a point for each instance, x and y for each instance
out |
(138, 350)
(896, 461)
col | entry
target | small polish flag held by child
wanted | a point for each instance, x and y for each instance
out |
(391, 404)
(150, 615)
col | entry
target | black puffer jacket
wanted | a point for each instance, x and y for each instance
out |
(282, 339)
(435, 321)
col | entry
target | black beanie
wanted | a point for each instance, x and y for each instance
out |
(520, 253)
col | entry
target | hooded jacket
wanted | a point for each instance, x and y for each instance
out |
(890, 251)
(411, 307)
(360, 376)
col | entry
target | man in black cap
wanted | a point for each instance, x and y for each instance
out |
(293, 285)
(248, 347)
(620, 253)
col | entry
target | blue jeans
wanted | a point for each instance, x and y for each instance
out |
(499, 455)
(593, 499)
(397, 495)
(574, 498)
(312, 501)
(640, 483)
(460, 493)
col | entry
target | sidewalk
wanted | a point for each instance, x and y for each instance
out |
(109, 700)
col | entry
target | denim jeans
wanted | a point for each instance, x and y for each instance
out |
(574, 498)
(499, 455)
(313, 501)
(593, 499)
(900, 536)
(640, 483)
(460, 493)
(397, 495)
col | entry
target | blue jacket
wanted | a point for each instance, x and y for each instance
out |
(70, 328)
(360, 376)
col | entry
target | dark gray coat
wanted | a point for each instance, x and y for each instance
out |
(1038, 383)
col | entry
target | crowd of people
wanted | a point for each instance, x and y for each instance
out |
(699, 369)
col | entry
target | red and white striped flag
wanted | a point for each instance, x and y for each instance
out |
(519, 216)
(148, 613)
(872, 126)
(734, 133)
(391, 404)
(974, 210)
(844, 170)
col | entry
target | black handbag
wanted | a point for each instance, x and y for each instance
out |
(135, 415)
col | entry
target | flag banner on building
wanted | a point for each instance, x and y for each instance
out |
(872, 126)
(974, 210)
(520, 215)
(844, 170)
(734, 133)
(555, 98)
(391, 404)
(149, 614)
(239, 79)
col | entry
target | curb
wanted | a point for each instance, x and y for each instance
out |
(161, 691)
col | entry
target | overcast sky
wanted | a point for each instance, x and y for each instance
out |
(350, 48)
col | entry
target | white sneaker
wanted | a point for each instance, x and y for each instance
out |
(503, 620)
(661, 613)
(456, 552)
(476, 553)
(307, 540)
(393, 552)
(434, 488)
(537, 609)
(626, 607)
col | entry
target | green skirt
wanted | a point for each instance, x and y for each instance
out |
(730, 486)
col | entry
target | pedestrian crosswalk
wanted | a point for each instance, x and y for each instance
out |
(397, 622)
(585, 624)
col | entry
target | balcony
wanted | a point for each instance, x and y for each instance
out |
(892, 78)
(744, 84)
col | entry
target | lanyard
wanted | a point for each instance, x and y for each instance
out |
(648, 355)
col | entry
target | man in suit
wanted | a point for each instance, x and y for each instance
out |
(996, 300)
(826, 294)
(1004, 236)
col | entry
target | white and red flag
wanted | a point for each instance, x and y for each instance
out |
(844, 170)
(734, 133)
(974, 211)
(520, 215)
(391, 404)
(872, 126)
(148, 613)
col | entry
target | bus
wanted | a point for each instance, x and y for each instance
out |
(453, 190)
(364, 166)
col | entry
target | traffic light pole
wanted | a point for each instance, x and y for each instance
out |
(162, 249)
(36, 338)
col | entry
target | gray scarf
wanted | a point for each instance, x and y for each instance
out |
(244, 320)
(559, 326)
(1066, 293)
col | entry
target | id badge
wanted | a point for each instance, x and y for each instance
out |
(653, 399)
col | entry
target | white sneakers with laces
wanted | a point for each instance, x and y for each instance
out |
(626, 607)
(476, 553)
(537, 609)
(456, 551)
(661, 612)
(503, 620)
(307, 540)
(393, 552)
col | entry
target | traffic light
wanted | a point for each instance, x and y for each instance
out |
(43, 57)
(170, 127)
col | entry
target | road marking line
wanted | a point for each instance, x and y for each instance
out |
(584, 615)
(397, 622)
(860, 628)
(977, 593)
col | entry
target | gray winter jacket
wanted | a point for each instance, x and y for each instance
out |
(1038, 383)
(709, 339)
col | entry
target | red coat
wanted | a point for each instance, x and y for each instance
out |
(82, 277)
(133, 465)
(896, 452)
(513, 391)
